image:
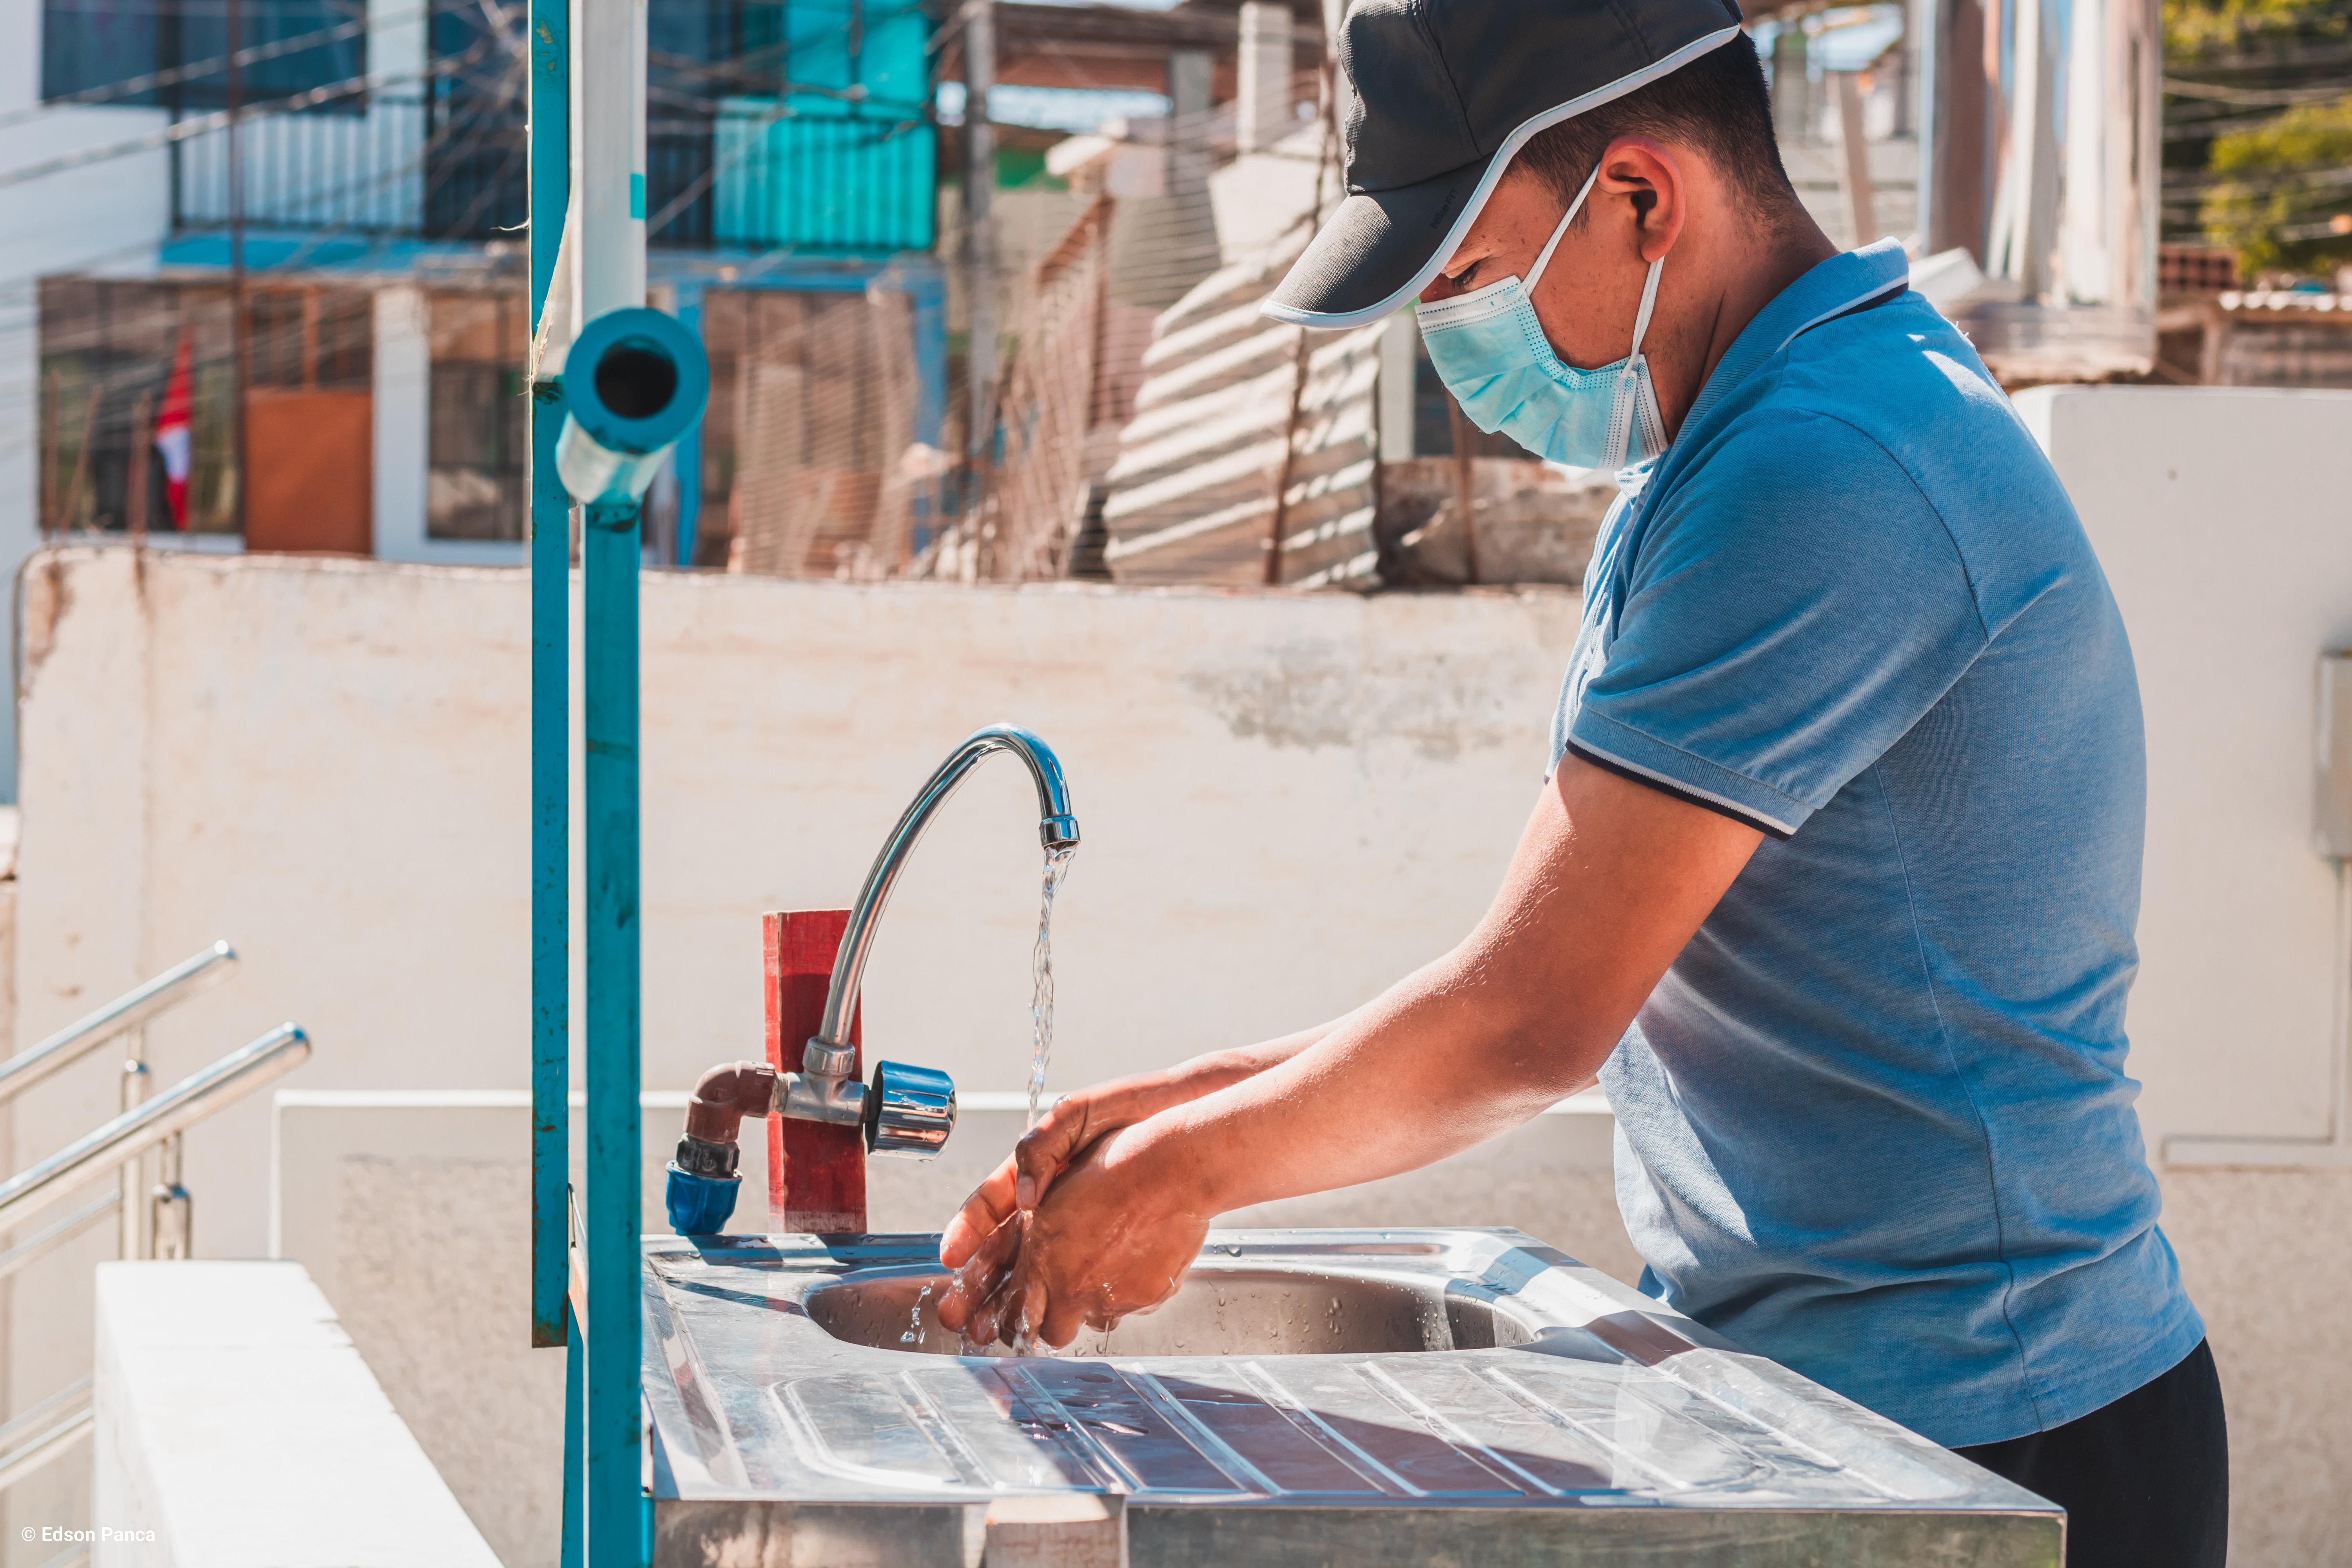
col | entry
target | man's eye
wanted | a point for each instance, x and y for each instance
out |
(1468, 273)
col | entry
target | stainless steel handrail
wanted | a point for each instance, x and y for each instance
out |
(48, 1239)
(53, 1443)
(125, 1012)
(135, 1132)
(58, 1423)
(43, 1414)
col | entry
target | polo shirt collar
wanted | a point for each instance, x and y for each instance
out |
(1832, 288)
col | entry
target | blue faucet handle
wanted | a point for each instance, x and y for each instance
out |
(699, 1205)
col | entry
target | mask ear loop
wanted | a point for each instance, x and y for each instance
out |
(1642, 316)
(1535, 273)
(1633, 362)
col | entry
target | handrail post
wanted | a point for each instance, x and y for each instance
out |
(171, 1222)
(135, 1079)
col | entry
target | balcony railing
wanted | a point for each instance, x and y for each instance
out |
(840, 157)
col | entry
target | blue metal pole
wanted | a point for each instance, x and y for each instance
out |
(619, 1517)
(550, 701)
(688, 454)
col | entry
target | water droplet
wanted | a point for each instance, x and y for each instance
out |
(915, 1326)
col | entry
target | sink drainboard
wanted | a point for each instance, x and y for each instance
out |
(1309, 1397)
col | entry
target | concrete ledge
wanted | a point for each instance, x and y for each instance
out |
(237, 1425)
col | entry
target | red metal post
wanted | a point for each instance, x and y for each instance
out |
(816, 1172)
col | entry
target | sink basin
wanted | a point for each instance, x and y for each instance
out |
(1219, 1310)
(1306, 1398)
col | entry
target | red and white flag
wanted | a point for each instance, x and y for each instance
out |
(171, 433)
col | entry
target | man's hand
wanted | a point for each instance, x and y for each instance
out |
(1061, 1136)
(1610, 880)
(982, 1238)
(1122, 1225)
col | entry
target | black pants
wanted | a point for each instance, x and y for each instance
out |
(2145, 1482)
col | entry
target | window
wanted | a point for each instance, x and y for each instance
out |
(477, 149)
(108, 51)
(481, 429)
(108, 350)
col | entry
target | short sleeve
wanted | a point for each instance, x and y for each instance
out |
(1784, 614)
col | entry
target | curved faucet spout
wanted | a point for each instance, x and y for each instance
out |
(1057, 828)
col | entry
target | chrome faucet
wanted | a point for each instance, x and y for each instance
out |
(909, 1111)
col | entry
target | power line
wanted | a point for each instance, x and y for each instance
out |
(204, 124)
(2257, 97)
(132, 86)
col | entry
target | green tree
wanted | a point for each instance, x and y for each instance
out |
(2289, 179)
(2257, 129)
(2194, 28)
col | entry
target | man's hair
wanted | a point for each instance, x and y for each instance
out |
(1717, 104)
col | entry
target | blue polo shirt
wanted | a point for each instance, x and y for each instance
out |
(1873, 1123)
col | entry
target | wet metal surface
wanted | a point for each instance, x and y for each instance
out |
(1309, 1397)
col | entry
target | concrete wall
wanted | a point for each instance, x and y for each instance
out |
(2225, 521)
(235, 1423)
(1285, 803)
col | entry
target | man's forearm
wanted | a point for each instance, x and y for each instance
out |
(1428, 1070)
(1520, 1014)
(1130, 1100)
(1610, 880)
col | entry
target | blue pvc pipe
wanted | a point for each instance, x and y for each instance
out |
(550, 702)
(610, 454)
(619, 1515)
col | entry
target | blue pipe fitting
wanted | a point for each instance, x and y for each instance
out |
(699, 1205)
(633, 382)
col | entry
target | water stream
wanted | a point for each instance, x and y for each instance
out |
(1041, 974)
(915, 1325)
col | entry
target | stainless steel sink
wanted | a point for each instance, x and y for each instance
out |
(1306, 1398)
(1223, 1308)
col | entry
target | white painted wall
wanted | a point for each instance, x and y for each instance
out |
(2223, 518)
(1285, 803)
(1262, 70)
(400, 406)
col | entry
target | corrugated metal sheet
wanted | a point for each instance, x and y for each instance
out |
(844, 158)
(1192, 493)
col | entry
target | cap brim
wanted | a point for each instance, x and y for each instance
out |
(1379, 250)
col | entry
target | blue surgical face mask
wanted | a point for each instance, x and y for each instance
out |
(1492, 354)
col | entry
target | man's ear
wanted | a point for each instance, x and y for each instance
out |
(1645, 175)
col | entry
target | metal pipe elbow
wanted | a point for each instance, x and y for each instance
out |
(725, 1095)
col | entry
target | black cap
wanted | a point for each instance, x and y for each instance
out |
(1445, 92)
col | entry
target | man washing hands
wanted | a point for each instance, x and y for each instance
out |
(1833, 879)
